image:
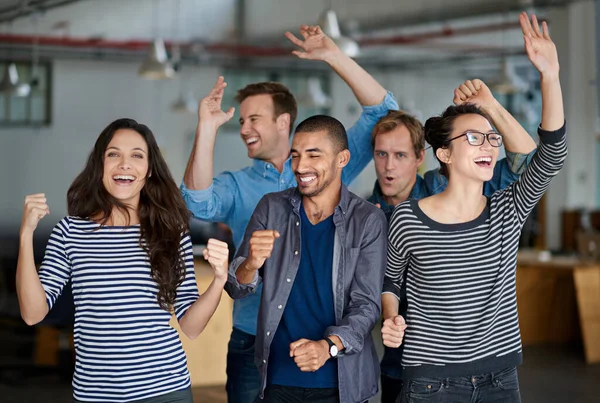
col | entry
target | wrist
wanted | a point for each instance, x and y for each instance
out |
(206, 128)
(26, 235)
(549, 77)
(335, 58)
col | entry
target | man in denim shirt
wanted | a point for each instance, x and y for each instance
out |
(267, 114)
(320, 252)
(398, 142)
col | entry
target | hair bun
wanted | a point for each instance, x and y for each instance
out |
(431, 125)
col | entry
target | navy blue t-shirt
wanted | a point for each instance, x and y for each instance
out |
(309, 309)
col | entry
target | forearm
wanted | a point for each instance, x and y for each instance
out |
(515, 137)
(553, 114)
(199, 171)
(198, 315)
(366, 89)
(245, 274)
(389, 305)
(31, 294)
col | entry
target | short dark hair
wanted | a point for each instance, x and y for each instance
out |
(283, 100)
(334, 128)
(395, 119)
(439, 128)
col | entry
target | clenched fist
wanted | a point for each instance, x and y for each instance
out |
(474, 92)
(35, 209)
(261, 246)
(217, 255)
(392, 331)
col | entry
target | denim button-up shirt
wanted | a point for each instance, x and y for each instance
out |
(359, 260)
(232, 196)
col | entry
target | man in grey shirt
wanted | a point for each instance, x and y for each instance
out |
(320, 252)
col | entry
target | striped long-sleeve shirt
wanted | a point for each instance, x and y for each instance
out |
(125, 348)
(462, 312)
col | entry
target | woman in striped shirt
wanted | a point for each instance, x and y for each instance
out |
(459, 249)
(126, 249)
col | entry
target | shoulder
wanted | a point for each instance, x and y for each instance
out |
(361, 208)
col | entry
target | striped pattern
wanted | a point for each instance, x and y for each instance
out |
(125, 348)
(462, 313)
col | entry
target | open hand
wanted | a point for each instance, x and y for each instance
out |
(209, 110)
(315, 46)
(538, 45)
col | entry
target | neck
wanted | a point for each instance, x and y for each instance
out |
(464, 198)
(280, 157)
(321, 206)
(402, 195)
(121, 219)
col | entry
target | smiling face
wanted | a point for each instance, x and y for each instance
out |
(316, 163)
(263, 134)
(465, 160)
(396, 164)
(125, 166)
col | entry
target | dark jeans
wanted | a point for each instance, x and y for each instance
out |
(498, 387)
(291, 394)
(390, 389)
(243, 379)
(179, 396)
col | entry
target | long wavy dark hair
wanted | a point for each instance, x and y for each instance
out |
(162, 212)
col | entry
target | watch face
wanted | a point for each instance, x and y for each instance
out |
(333, 350)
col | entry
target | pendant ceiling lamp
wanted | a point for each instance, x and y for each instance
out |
(157, 65)
(330, 26)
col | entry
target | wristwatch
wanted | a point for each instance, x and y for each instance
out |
(333, 350)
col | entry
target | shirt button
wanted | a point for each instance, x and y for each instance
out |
(268, 166)
(264, 361)
(279, 306)
(289, 280)
(297, 223)
(282, 181)
(473, 380)
(295, 252)
(268, 333)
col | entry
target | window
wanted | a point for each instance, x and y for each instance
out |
(298, 82)
(33, 110)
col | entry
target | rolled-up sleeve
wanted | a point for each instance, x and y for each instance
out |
(359, 137)
(215, 203)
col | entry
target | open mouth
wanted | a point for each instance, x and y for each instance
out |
(306, 180)
(484, 162)
(251, 140)
(124, 179)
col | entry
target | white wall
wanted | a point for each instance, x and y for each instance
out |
(87, 96)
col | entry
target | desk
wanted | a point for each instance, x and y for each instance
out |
(559, 301)
(207, 355)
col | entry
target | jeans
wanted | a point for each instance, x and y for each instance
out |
(390, 389)
(243, 379)
(497, 387)
(291, 394)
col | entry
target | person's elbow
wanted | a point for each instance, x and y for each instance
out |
(32, 318)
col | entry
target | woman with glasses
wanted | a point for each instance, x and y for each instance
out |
(461, 334)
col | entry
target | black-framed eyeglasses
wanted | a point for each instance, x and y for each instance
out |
(476, 138)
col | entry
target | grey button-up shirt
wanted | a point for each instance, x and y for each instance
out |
(359, 261)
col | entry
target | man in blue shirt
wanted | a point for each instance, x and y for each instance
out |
(267, 115)
(399, 144)
(320, 252)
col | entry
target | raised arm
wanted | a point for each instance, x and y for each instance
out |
(202, 308)
(515, 137)
(30, 292)
(318, 46)
(542, 53)
(199, 171)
